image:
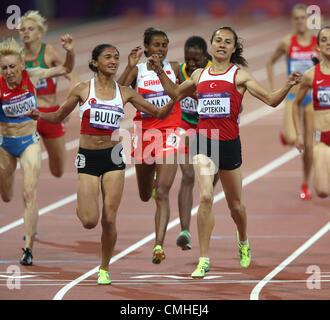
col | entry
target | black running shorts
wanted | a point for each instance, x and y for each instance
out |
(98, 162)
(226, 154)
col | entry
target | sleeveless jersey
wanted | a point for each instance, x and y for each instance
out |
(189, 105)
(149, 87)
(321, 90)
(219, 104)
(44, 86)
(101, 117)
(16, 102)
(299, 57)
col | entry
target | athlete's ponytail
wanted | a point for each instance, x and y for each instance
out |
(237, 57)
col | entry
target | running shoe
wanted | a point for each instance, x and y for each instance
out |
(27, 258)
(244, 253)
(202, 268)
(103, 277)
(36, 236)
(153, 194)
(184, 240)
(305, 194)
(158, 254)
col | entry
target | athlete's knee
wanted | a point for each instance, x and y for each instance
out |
(29, 192)
(57, 173)
(206, 199)
(236, 208)
(7, 197)
(188, 177)
(87, 222)
(145, 197)
(322, 194)
(162, 194)
(108, 223)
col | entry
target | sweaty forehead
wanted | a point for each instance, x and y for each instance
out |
(227, 34)
(28, 23)
(110, 50)
(325, 33)
(158, 38)
(9, 59)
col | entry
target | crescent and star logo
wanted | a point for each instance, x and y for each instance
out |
(91, 100)
(213, 85)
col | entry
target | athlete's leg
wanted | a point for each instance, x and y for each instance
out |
(112, 190)
(145, 180)
(321, 166)
(204, 171)
(8, 165)
(231, 181)
(88, 200)
(165, 177)
(185, 198)
(289, 132)
(30, 161)
(57, 155)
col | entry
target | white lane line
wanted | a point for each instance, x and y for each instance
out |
(129, 172)
(256, 290)
(249, 179)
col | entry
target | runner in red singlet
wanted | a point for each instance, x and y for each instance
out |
(216, 146)
(299, 48)
(317, 79)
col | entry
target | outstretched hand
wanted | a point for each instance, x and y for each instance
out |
(67, 42)
(34, 114)
(294, 78)
(134, 56)
(154, 63)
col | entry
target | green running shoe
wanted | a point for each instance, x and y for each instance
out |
(202, 268)
(244, 253)
(158, 254)
(103, 277)
(184, 240)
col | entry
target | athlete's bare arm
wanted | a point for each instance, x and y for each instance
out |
(304, 87)
(175, 91)
(77, 95)
(245, 81)
(281, 50)
(130, 95)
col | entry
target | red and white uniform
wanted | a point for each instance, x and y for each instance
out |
(219, 104)
(149, 87)
(321, 99)
(101, 117)
(153, 138)
(299, 57)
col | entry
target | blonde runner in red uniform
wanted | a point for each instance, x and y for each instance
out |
(100, 160)
(317, 79)
(216, 146)
(18, 137)
(155, 142)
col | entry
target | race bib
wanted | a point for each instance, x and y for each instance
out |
(41, 84)
(189, 105)
(105, 117)
(323, 95)
(158, 99)
(214, 105)
(173, 140)
(18, 106)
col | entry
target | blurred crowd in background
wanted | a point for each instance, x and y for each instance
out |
(91, 9)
